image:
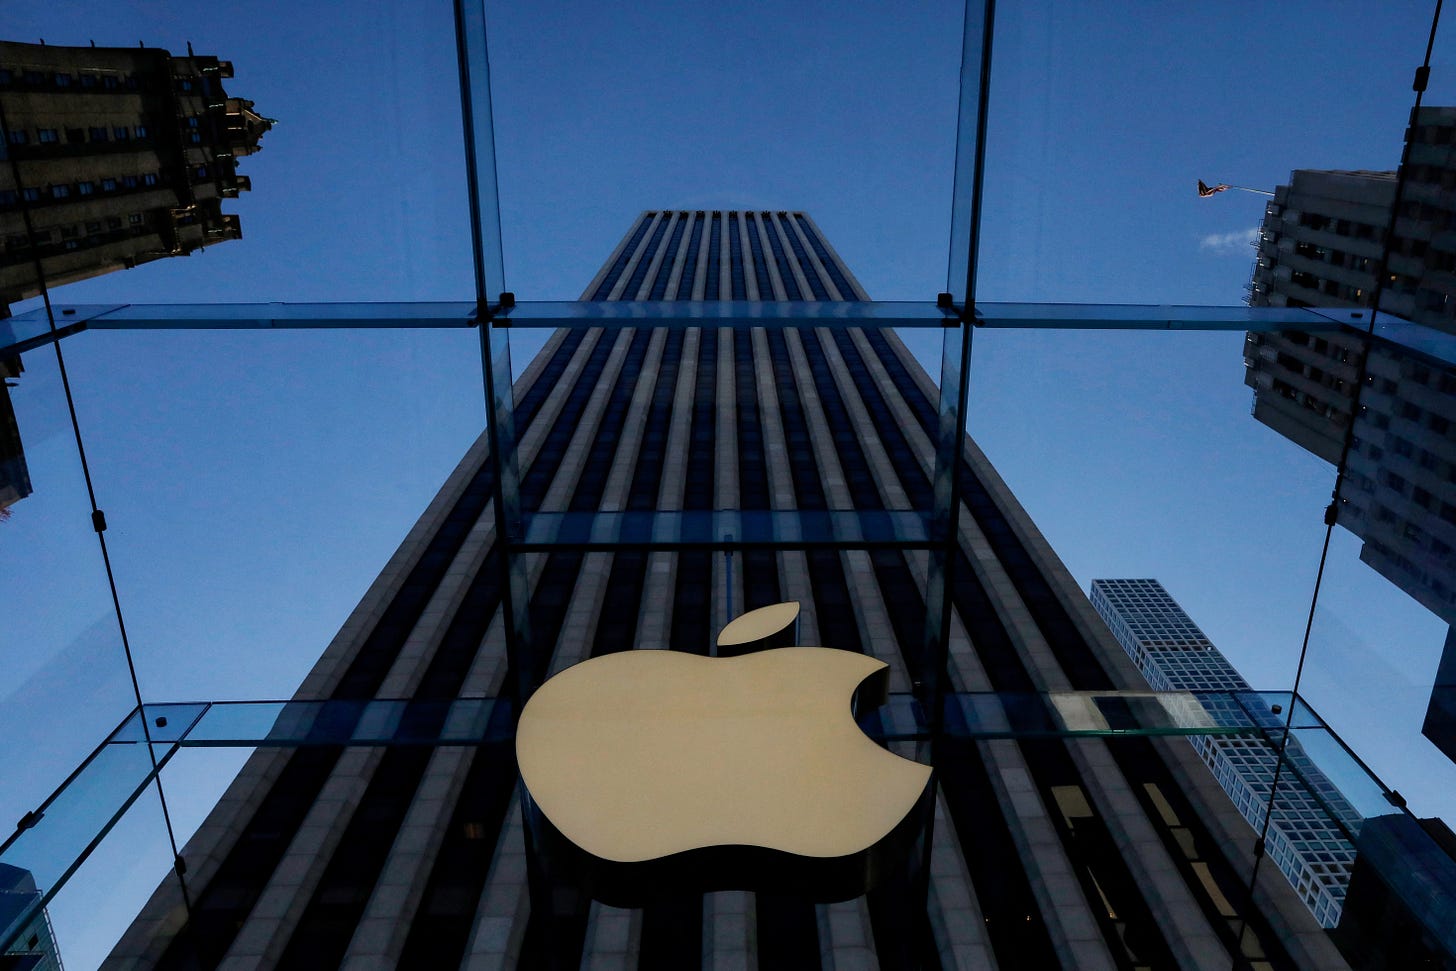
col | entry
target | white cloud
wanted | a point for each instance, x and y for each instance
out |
(1229, 244)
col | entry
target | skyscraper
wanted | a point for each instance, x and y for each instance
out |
(1311, 834)
(1075, 852)
(1391, 395)
(114, 157)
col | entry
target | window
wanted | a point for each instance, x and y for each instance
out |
(71, 244)
(194, 137)
(130, 181)
(135, 219)
(30, 194)
(68, 232)
(201, 171)
(100, 134)
(46, 135)
(85, 188)
(93, 227)
(109, 81)
(140, 131)
(18, 137)
(6, 75)
(108, 185)
(113, 222)
(88, 80)
(9, 197)
(63, 80)
(34, 77)
(76, 136)
(192, 121)
(149, 179)
(60, 191)
(121, 133)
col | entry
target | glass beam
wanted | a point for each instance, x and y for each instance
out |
(472, 50)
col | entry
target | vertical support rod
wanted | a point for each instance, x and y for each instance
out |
(970, 166)
(956, 354)
(495, 352)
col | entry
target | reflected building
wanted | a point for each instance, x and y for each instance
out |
(1047, 851)
(116, 157)
(1320, 245)
(35, 948)
(14, 474)
(1311, 834)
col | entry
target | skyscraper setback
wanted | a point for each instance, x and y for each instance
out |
(1073, 852)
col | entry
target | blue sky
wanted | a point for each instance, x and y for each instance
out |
(280, 469)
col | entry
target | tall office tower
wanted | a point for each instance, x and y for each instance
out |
(37, 942)
(14, 474)
(1310, 834)
(1320, 246)
(1047, 852)
(1322, 237)
(116, 156)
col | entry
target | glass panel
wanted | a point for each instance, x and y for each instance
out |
(64, 672)
(291, 487)
(1365, 623)
(126, 866)
(727, 530)
(66, 827)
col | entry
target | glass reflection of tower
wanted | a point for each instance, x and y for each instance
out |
(1073, 852)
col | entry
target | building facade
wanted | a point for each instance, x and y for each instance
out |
(1312, 832)
(1047, 852)
(1321, 245)
(115, 156)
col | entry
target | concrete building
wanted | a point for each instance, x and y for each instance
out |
(1075, 852)
(1312, 832)
(1321, 245)
(36, 946)
(116, 156)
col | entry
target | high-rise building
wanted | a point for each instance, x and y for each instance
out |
(1321, 245)
(36, 944)
(114, 157)
(14, 474)
(1048, 851)
(1321, 242)
(1311, 833)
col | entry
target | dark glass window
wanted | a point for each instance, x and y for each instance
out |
(18, 137)
(108, 185)
(100, 134)
(85, 188)
(121, 133)
(60, 191)
(46, 135)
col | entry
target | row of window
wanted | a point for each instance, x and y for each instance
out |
(79, 235)
(58, 191)
(80, 136)
(1341, 227)
(99, 134)
(63, 79)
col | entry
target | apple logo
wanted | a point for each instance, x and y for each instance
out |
(661, 772)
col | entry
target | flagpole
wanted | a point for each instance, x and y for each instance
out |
(1244, 188)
